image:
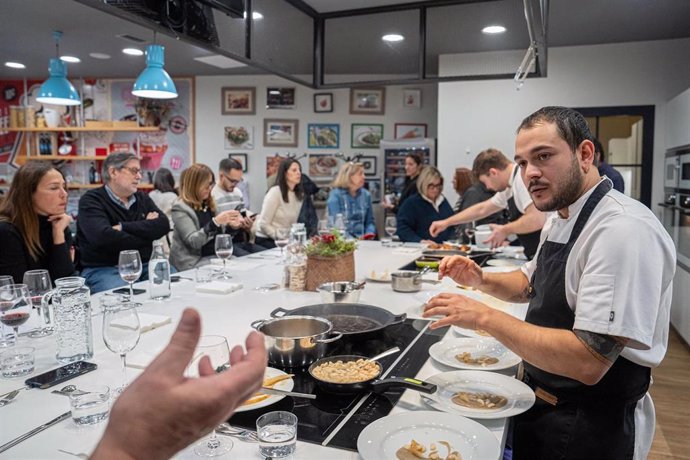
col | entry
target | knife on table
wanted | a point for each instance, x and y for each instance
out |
(36, 430)
(275, 391)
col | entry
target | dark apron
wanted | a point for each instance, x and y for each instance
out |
(571, 420)
(530, 241)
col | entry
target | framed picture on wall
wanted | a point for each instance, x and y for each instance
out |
(374, 187)
(323, 135)
(239, 137)
(281, 133)
(368, 101)
(323, 102)
(272, 163)
(238, 101)
(241, 157)
(366, 136)
(322, 165)
(280, 98)
(412, 98)
(410, 130)
(369, 163)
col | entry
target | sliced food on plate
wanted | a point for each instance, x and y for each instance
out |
(273, 378)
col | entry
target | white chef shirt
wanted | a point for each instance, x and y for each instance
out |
(516, 189)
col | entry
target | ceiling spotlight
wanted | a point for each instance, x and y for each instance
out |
(392, 38)
(15, 65)
(255, 15)
(99, 55)
(133, 51)
(491, 30)
(72, 59)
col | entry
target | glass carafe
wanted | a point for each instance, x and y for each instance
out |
(71, 302)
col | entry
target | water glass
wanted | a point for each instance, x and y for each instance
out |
(90, 405)
(277, 433)
(15, 306)
(323, 228)
(17, 362)
(205, 274)
(39, 284)
(390, 225)
(130, 268)
(282, 239)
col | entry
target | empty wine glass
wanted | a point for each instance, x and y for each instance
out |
(121, 332)
(6, 340)
(217, 350)
(130, 268)
(38, 282)
(282, 239)
(15, 306)
(224, 251)
(390, 225)
(323, 228)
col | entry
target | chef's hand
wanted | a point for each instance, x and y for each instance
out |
(232, 218)
(437, 227)
(461, 270)
(498, 235)
(163, 411)
(456, 309)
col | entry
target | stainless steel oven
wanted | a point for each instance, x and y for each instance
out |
(671, 171)
(683, 239)
(669, 214)
(684, 171)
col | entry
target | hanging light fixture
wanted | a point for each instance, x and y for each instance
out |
(154, 82)
(57, 89)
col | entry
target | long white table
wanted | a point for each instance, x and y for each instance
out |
(228, 315)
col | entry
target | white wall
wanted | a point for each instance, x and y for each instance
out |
(475, 115)
(209, 122)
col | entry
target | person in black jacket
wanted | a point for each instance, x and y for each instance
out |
(34, 229)
(114, 218)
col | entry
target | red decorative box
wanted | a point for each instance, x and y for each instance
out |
(119, 147)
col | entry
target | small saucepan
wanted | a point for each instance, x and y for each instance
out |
(371, 384)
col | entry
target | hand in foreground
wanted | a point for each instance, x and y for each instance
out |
(461, 270)
(163, 411)
(457, 309)
(437, 227)
(232, 218)
(498, 235)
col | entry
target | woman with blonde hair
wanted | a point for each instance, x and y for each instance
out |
(421, 209)
(34, 228)
(196, 221)
(350, 199)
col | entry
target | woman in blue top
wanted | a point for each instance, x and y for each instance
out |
(418, 212)
(349, 198)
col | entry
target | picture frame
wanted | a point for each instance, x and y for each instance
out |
(238, 137)
(242, 158)
(272, 164)
(323, 136)
(410, 130)
(370, 165)
(238, 100)
(280, 98)
(323, 102)
(281, 132)
(368, 101)
(374, 187)
(366, 135)
(323, 165)
(412, 98)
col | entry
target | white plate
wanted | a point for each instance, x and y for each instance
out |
(287, 385)
(444, 352)
(383, 438)
(505, 262)
(475, 333)
(378, 277)
(520, 396)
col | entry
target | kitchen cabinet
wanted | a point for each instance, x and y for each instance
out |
(678, 120)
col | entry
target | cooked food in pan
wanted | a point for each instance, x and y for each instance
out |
(346, 372)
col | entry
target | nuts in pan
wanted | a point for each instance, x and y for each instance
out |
(360, 370)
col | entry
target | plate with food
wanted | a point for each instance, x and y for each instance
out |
(379, 277)
(474, 354)
(479, 394)
(417, 435)
(505, 262)
(273, 378)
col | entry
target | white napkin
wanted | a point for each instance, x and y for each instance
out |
(147, 322)
(218, 287)
(237, 265)
(406, 250)
(140, 359)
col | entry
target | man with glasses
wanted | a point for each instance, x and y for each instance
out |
(114, 218)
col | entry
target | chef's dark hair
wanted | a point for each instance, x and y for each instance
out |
(571, 125)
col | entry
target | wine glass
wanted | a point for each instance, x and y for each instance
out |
(5, 340)
(217, 350)
(130, 268)
(15, 306)
(39, 284)
(323, 228)
(224, 251)
(390, 225)
(282, 239)
(469, 231)
(121, 332)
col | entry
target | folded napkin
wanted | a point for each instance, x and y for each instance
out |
(239, 265)
(406, 250)
(218, 287)
(140, 359)
(147, 322)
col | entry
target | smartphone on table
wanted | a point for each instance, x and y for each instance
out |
(59, 375)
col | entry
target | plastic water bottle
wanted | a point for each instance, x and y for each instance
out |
(340, 224)
(159, 273)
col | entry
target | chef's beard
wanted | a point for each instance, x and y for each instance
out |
(568, 192)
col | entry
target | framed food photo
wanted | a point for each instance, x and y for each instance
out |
(368, 101)
(281, 133)
(322, 166)
(241, 157)
(366, 136)
(323, 136)
(410, 130)
(369, 163)
(280, 98)
(239, 137)
(323, 102)
(374, 187)
(238, 101)
(412, 98)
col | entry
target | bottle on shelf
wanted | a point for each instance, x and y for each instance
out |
(93, 179)
(159, 273)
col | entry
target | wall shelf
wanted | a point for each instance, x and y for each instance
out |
(76, 186)
(138, 129)
(65, 158)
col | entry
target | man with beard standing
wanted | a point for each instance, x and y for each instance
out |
(599, 293)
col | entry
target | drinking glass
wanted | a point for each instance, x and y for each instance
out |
(282, 239)
(39, 284)
(323, 228)
(216, 348)
(224, 251)
(130, 268)
(277, 432)
(6, 340)
(15, 306)
(390, 225)
(121, 332)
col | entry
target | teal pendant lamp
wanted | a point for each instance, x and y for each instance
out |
(57, 89)
(154, 82)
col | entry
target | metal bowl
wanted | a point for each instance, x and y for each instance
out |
(340, 292)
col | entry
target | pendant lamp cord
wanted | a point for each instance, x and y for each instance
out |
(57, 35)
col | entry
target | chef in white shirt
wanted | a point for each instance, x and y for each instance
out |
(599, 292)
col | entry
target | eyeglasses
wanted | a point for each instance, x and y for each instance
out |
(232, 181)
(436, 186)
(134, 171)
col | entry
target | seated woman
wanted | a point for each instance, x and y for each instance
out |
(163, 196)
(349, 198)
(34, 229)
(420, 210)
(282, 203)
(196, 222)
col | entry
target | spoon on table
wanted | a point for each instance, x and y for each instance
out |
(68, 390)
